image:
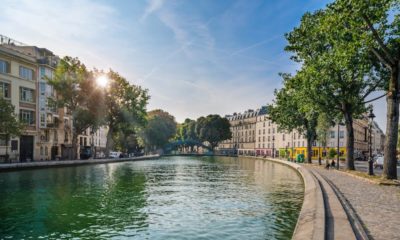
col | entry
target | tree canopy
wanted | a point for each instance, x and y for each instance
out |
(213, 129)
(77, 91)
(160, 128)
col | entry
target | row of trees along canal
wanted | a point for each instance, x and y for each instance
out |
(162, 132)
(347, 51)
(121, 107)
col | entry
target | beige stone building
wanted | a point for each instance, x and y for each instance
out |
(270, 141)
(243, 127)
(48, 130)
(24, 74)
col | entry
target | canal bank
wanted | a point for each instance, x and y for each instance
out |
(65, 163)
(324, 213)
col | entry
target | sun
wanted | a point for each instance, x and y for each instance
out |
(102, 81)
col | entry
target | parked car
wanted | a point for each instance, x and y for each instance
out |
(114, 154)
(379, 162)
(85, 153)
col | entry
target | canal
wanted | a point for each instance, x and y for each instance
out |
(169, 198)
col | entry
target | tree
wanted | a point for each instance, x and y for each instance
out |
(376, 25)
(186, 134)
(338, 73)
(213, 129)
(77, 91)
(291, 111)
(160, 128)
(9, 124)
(125, 107)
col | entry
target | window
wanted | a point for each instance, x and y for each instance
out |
(26, 73)
(4, 66)
(27, 117)
(263, 138)
(341, 134)
(283, 137)
(263, 131)
(26, 95)
(5, 90)
(332, 134)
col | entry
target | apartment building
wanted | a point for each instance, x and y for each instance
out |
(243, 127)
(95, 139)
(24, 74)
(271, 141)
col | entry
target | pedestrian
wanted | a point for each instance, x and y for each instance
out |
(333, 163)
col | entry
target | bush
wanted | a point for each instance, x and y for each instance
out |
(332, 153)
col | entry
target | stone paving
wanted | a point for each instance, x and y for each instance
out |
(377, 206)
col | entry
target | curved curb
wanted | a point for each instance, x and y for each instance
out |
(311, 222)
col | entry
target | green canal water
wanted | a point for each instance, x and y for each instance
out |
(169, 198)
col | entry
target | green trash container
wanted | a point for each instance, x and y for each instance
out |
(300, 158)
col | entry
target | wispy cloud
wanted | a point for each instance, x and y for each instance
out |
(256, 45)
(152, 6)
(65, 27)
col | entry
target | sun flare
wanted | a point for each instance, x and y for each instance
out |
(102, 81)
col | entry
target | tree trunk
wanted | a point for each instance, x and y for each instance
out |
(348, 116)
(309, 149)
(74, 146)
(109, 143)
(392, 126)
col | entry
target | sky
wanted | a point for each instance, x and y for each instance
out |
(195, 57)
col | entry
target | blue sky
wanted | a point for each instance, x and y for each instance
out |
(195, 57)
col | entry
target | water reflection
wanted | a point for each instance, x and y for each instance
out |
(174, 198)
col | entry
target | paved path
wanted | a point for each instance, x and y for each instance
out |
(361, 166)
(377, 206)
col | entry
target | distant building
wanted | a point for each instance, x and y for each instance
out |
(253, 133)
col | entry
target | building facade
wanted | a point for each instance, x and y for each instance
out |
(269, 140)
(24, 74)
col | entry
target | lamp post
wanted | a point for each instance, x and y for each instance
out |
(371, 116)
(273, 146)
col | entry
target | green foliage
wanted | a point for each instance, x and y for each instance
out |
(213, 129)
(186, 135)
(293, 110)
(9, 124)
(161, 127)
(124, 110)
(78, 92)
(323, 126)
(331, 153)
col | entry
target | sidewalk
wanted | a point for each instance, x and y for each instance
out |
(377, 206)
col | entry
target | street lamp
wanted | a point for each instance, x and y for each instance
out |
(371, 116)
(273, 146)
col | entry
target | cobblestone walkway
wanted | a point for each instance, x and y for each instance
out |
(378, 207)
